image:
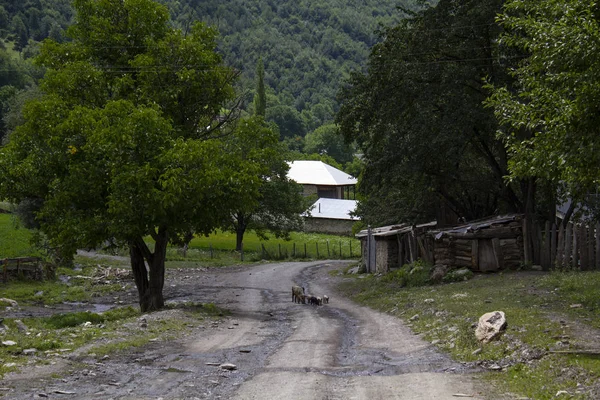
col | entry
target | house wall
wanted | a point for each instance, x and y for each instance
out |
(331, 226)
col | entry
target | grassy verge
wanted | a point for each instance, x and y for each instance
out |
(551, 319)
(95, 335)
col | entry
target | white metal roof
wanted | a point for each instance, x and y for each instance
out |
(333, 209)
(318, 173)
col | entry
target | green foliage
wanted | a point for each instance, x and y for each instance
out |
(429, 145)
(59, 321)
(410, 275)
(327, 140)
(15, 240)
(550, 115)
(458, 275)
(128, 140)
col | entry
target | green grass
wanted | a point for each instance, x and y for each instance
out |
(15, 241)
(328, 246)
(534, 304)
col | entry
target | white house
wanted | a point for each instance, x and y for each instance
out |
(333, 189)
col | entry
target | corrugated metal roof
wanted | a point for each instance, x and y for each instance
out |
(318, 173)
(394, 229)
(333, 209)
(477, 225)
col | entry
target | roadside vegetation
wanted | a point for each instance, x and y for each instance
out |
(549, 348)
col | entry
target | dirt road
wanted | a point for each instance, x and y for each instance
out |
(281, 350)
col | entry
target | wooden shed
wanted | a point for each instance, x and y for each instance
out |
(485, 245)
(390, 247)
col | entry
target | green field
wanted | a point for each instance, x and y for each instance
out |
(217, 249)
(15, 241)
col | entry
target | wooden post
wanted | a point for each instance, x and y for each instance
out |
(568, 243)
(575, 249)
(317, 245)
(536, 244)
(350, 245)
(526, 247)
(583, 248)
(211, 250)
(340, 250)
(560, 248)
(598, 245)
(590, 246)
(264, 251)
(553, 246)
(304, 249)
(328, 253)
(279, 250)
(546, 258)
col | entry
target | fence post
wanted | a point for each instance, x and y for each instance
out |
(590, 247)
(598, 245)
(583, 248)
(264, 251)
(553, 246)
(304, 249)
(341, 250)
(350, 243)
(546, 250)
(279, 250)
(294, 250)
(568, 244)
(328, 253)
(560, 248)
(317, 243)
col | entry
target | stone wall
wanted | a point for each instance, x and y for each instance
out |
(331, 226)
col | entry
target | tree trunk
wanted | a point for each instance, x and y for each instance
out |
(150, 282)
(240, 229)
(138, 266)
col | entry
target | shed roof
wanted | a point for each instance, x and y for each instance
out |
(478, 225)
(318, 173)
(395, 229)
(333, 209)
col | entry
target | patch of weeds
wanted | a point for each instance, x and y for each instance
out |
(47, 292)
(458, 275)
(544, 379)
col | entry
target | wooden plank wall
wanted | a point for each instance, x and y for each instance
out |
(576, 246)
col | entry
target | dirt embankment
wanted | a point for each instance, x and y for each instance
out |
(277, 349)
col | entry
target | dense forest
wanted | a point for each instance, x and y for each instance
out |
(308, 49)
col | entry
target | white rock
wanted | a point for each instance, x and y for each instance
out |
(491, 325)
(8, 343)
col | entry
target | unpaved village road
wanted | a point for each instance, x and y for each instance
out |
(282, 350)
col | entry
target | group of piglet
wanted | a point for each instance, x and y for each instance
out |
(299, 296)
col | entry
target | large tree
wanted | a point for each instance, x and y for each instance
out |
(279, 204)
(429, 145)
(551, 116)
(127, 144)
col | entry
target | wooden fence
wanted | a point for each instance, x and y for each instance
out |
(576, 246)
(28, 267)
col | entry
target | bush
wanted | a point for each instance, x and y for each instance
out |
(458, 275)
(410, 275)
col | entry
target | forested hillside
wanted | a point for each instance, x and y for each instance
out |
(308, 48)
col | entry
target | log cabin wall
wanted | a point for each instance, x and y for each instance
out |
(488, 245)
